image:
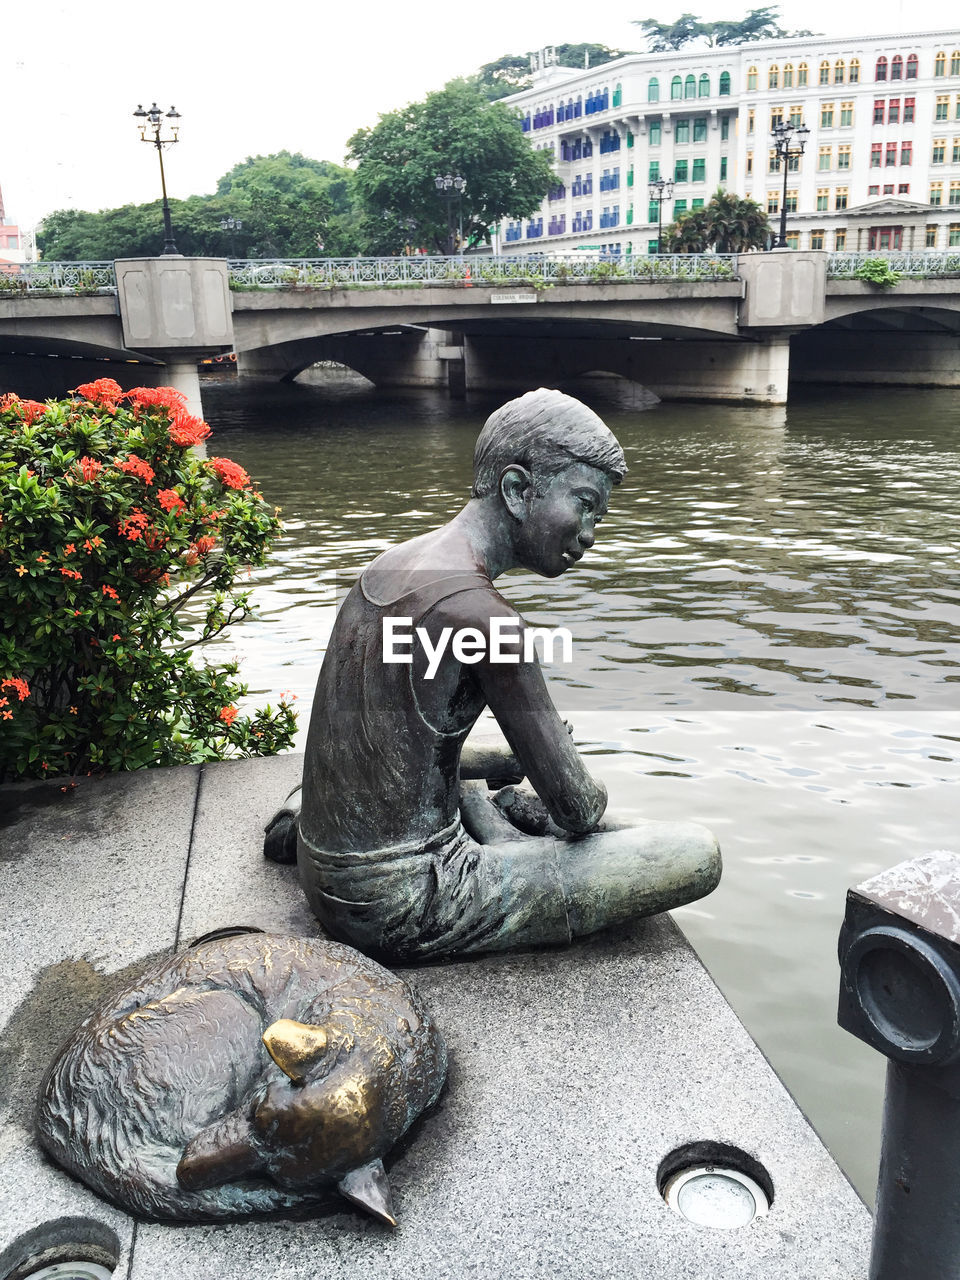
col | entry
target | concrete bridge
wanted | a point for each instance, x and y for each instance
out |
(711, 327)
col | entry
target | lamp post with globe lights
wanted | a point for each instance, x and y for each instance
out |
(451, 187)
(789, 140)
(151, 128)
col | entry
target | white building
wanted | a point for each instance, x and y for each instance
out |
(882, 162)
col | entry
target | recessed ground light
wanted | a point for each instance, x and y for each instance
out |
(72, 1271)
(712, 1195)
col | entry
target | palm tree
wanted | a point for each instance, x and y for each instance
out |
(728, 224)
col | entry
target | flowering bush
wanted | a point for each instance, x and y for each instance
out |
(109, 528)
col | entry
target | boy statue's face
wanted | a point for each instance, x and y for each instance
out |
(556, 526)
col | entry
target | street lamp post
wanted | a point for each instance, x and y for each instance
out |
(233, 225)
(151, 126)
(451, 187)
(789, 140)
(660, 189)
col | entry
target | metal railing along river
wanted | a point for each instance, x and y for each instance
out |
(921, 262)
(57, 277)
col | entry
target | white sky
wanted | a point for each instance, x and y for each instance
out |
(252, 78)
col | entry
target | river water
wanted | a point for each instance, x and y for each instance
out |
(766, 640)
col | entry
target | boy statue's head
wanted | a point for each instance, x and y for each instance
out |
(552, 463)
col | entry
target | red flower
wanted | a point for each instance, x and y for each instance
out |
(72, 573)
(69, 549)
(135, 466)
(107, 591)
(203, 546)
(228, 715)
(154, 540)
(166, 397)
(29, 410)
(187, 430)
(90, 468)
(230, 474)
(17, 685)
(133, 525)
(103, 391)
(170, 500)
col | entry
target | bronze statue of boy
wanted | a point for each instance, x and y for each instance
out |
(399, 853)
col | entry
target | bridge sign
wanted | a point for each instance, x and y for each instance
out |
(518, 295)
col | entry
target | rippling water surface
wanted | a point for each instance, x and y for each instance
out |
(767, 640)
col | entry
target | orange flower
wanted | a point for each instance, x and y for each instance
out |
(72, 573)
(187, 430)
(116, 637)
(135, 466)
(133, 525)
(21, 569)
(69, 549)
(90, 468)
(19, 686)
(228, 715)
(73, 711)
(8, 715)
(29, 410)
(230, 474)
(170, 500)
(203, 546)
(108, 591)
(166, 397)
(103, 391)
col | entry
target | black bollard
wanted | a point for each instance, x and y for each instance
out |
(900, 992)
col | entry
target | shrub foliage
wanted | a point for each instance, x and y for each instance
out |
(111, 526)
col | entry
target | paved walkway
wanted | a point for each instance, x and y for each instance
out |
(573, 1073)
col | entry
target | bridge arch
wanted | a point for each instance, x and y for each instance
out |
(895, 341)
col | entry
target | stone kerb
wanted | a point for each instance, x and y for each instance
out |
(784, 289)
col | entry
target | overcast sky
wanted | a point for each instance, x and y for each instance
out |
(252, 78)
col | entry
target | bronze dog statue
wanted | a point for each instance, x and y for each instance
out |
(247, 1074)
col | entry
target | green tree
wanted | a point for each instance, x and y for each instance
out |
(757, 24)
(663, 36)
(455, 130)
(727, 224)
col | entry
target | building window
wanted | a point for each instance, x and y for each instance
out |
(846, 113)
(752, 78)
(653, 211)
(749, 163)
(931, 237)
(893, 111)
(843, 156)
(876, 154)
(791, 202)
(956, 151)
(874, 190)
(655, 133)
(878, 109)
(826, 115)
(698, 203)
(896, 68)
(776, 118)
(954, 235)
(955, 192)
(700, 129)
(891, 156)
(653, 172)
(888, 188)
(816, 239)
(840, 240)
(801, 75)
(912, 67)
(617, 95)
(854, 71)
(699, 171)
(824, 72)
(955, 63)
(906, 153)
(773, 162)
(773, 77)
(939, 147)
(676, 88)
(653, 90)
(680, 171)
(703, 87)
(724, 128)
(823, 199)
(788, 75)
(796, 116)
(723, 168)
(679, 206)
(943, 108)
(940, 65)
(682, 131)
(881, 73)
(936, 193)
(840, 198)
(793, 239)
(839, 72)
(909, 107)
(825, 159)
(690, 87)
(751, 114)
(724, 84)
(903, 189)
(773, 202)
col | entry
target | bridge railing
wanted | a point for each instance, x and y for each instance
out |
(921, 262)
(326, 273)
(17, 278)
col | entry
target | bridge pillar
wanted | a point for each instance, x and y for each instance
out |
(176, 310)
